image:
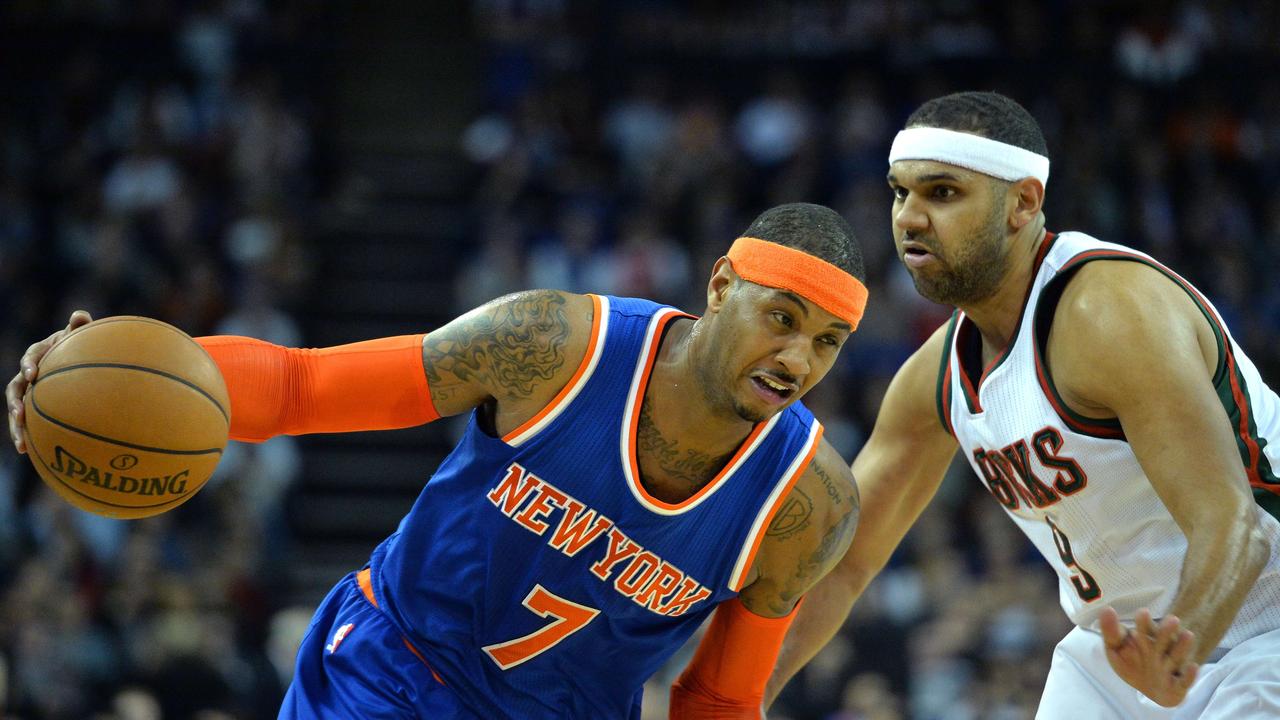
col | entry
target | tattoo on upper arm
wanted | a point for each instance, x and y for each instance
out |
(836, 537)
(508, 347)
(793, 517)
(812, 564)
(832, 491)
(812, 567)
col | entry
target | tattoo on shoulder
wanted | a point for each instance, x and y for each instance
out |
(836, 537)
(793, 517)
(832, 491)
(509, 346)
(810, 568)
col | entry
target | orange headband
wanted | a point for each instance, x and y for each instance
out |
(778, 266)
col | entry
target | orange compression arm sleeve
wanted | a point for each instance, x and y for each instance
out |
(726, 679)
(372, 385)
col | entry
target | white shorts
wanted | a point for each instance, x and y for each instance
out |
(1243, 684)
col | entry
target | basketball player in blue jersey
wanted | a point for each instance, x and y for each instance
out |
(628, 469)
(1105, 406)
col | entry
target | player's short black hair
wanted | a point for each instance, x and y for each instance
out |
(988, 114)
(815, 229)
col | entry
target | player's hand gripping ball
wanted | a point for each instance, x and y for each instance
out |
(127, 418)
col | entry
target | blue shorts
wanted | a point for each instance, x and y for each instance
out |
(353, 663)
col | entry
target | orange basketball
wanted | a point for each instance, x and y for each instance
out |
(127, 418)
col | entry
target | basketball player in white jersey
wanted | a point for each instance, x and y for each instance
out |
(1103, 403)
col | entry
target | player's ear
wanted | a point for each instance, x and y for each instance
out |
(722, 278)
(1028, 198)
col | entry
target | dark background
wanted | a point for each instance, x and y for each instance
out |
(315, 173)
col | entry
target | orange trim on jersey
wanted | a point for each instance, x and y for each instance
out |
(364, 579)
(633, 424)
(720, 476)
(777, 503)
(778, 266)
(597, 320)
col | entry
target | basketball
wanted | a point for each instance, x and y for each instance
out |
(127, 418)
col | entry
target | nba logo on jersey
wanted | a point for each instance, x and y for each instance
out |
(338, 636)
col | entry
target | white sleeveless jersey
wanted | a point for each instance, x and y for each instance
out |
(1073, 484)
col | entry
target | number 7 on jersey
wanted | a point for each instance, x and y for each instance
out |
(569, 617)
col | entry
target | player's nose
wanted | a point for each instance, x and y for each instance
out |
(909, 216)
(794, 356)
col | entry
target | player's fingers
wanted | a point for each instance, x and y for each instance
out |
(1113, 633)
(1143, 626)
(31, 358)
(14, 390)
(13, 398)
(14, 435)
(1180, 649)
(78, 318)
(1167, 633)
(30, 362)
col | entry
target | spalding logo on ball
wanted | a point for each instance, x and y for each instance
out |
(127, 418)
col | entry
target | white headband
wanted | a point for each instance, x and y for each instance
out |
(987, 156)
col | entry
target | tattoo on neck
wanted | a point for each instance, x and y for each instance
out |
(677, 472)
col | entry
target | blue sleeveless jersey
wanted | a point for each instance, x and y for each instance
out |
(535, 573)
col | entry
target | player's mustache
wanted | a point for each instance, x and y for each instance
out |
(928, 245)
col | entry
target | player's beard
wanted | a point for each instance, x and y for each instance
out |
(974, 272)
(719, 392)
(746, 413)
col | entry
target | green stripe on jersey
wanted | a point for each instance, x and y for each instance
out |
(944, 402)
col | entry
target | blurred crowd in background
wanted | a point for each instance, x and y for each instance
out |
(155, 159)
(169, 160)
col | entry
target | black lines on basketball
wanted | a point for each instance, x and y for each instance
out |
(134, 446)
(35, 452)
(140, 368)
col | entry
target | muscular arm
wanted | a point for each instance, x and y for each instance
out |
(1128, 342)
(514, 353)
(809, 532)
(897, 473)
(517, 351)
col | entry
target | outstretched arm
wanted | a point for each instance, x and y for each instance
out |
(515, 352)
(809, 532)
(1127, 341)
(897, 472)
